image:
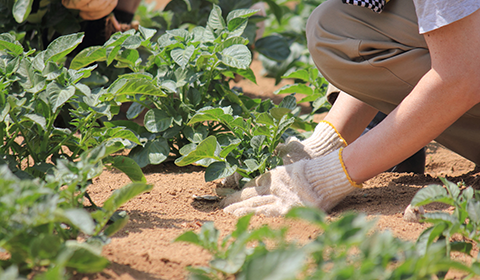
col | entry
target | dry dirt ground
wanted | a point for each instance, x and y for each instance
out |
(144, 248)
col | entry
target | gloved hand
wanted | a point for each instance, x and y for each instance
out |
(322, 182)
(91, 9)
(324, 140)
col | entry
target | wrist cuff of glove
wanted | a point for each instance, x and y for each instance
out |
(329, 180)
(325, 139)
(353, 183)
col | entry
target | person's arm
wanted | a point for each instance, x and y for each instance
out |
(444, 94)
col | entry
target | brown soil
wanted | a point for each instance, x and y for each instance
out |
(144, 248)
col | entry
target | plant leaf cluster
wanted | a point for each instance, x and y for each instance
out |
(463, 222)
(40, 220)
(346, 248)
(182, 80)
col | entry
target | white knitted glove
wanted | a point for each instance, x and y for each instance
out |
(322, 182)
(324, 140)
(91, 9)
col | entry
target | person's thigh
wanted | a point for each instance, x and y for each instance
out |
(377, 58)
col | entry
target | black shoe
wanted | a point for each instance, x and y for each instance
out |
(415, 164)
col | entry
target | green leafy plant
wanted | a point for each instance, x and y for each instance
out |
(464, 221)
(37, 22)
(346, 248)
(308, 82)
(245, 145)
(291, 28)
(47, 111)
(187, 15)
(41, 220)
(189, 71)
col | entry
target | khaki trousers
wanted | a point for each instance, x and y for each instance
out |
(379, 58)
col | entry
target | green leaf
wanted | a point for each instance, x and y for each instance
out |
(240, 13)
(473, 209)
(452, 188)
(132, 86)
(301, 74)
(147, 33)
(246, 73)
(231, 264)
(124, 194)
(62, 46)
(59, 95)
(21, 10)
(242, 225)
(118, 224)
(279, 113)
(154, 152)
(313, 215)
(206, 149)
(223, 115)
(215, 19)
(130, 168)
(38, 119)
(432, 193)
(238, 56)
(45, 246)
(274, 47)
(189, 236)
(279, 264)
(218, 170)
(132, 42)
(182, 56)
(277, 10)
(295, 88)
(8, 42)
(88, 56)
(85, 257)
(156, 120)
(79, 218)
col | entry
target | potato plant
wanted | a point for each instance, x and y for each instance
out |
(40, 220)
(190, 70)
(347, 248)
